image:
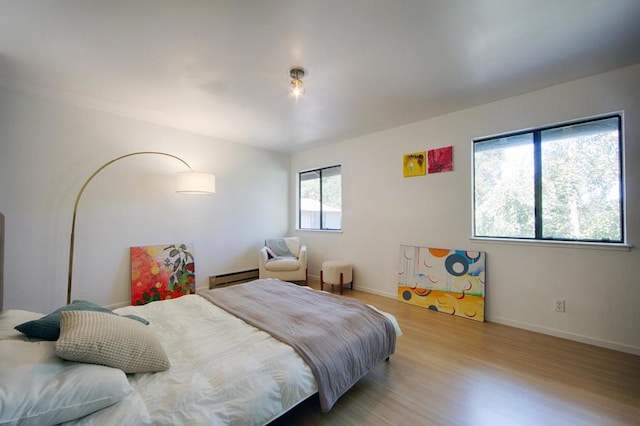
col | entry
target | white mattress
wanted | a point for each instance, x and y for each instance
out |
(223, 371)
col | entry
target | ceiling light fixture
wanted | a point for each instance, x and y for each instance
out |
(297, 86)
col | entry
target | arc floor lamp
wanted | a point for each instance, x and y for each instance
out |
(189, 182)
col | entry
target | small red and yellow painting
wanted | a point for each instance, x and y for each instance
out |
(161, 272)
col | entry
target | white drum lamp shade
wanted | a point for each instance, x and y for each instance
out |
(195, 183)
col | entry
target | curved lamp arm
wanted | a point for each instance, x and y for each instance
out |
(75, 206)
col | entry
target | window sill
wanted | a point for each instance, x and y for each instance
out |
(331, 231)
(556, 244)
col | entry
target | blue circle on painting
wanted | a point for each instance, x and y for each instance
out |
(453, 260)
(406, 295)
(433, 308)
(474, 259)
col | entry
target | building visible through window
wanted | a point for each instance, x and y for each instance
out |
(320, 199)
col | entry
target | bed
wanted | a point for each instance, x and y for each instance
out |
(222, 368)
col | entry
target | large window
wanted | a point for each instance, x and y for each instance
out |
(555, 183)
(320, 199)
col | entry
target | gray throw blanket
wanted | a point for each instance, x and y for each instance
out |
(341, 339)
(279, 247)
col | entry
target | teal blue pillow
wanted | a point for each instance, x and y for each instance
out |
(48, 327)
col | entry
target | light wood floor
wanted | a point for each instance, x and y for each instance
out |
(453, 371)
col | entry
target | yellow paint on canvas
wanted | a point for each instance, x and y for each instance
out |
(414, 164)
(459, 304)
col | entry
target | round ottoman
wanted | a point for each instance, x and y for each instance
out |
(336, 272)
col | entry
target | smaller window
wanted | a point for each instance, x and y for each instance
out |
(320, 199)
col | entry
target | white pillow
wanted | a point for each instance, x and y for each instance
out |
(12, 317)
(131, 411)
(38, 388)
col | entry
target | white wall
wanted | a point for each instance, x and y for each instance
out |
(48, 149)
(382, 210)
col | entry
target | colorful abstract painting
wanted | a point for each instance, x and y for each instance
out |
(443, 280)
(440, 159)
(161, 272)
(414, 164)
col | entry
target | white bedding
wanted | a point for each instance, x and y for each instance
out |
(131, 411)
(222, 370)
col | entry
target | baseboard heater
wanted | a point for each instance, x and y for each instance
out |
(233, 278)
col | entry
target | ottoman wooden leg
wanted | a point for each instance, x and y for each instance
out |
(321, 281)
(341, 284)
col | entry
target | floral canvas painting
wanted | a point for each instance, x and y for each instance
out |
(161, 272)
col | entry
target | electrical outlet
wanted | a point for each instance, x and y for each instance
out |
(559, 304)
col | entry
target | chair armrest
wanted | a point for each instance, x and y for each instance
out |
(263, 256)
(302, 256)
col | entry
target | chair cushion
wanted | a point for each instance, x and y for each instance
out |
(294, 245)
(283, 264)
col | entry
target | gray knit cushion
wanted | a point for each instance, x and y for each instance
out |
(111, 340)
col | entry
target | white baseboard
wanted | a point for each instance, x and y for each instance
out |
(538, 329)
(517, 324)
(364, 289)
(128, 303)
(378, 292)
(567, 335)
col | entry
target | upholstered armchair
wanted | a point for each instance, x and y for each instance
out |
(283, 258)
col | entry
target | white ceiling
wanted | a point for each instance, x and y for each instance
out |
(221, 68)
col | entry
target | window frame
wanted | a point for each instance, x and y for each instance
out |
(322, 227)
(537, 144)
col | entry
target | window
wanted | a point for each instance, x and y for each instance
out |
(320, 199)
(555, 183)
